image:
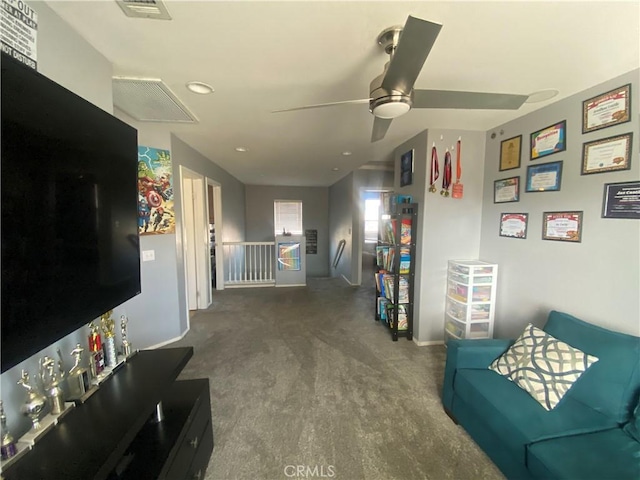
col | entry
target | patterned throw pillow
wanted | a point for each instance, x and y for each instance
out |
(542, 365)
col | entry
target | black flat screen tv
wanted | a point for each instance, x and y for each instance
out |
(70, 249)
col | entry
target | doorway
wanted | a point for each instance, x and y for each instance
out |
(214, 215)
(369, 227)
(195, 240)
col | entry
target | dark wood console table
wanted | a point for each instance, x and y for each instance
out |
(110, 436)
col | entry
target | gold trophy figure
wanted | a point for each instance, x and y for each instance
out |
(109, 329)
(126, 344)
(35, 402)
(51, 382)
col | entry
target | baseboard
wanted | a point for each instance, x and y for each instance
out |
(428, 343)
(162, 344)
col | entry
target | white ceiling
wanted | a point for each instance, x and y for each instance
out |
(262, 56)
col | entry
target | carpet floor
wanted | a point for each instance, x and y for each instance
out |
(305, 384)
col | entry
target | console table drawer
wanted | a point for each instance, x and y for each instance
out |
(201, 460)
(194, 438)
(170, 449)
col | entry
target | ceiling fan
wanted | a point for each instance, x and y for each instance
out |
(392, 94)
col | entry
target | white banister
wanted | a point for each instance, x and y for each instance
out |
(249, 264)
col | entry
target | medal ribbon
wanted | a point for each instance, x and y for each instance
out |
(435, 168)
(446, 178)
(458, 161)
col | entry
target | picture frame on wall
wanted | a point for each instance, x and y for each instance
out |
(607, 109)
(545, 177)
(607, 154)
(506, 190)
(621, 200)
(406, 168)
(514, 225)
(548, 140)
(510, 150)
(562, 226)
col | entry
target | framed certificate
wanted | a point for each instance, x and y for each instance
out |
(607, 109)
(607, 155)
(621, 200)
(513, 225)
(510, 153)
(545, 177)
(506, 190)
(551, 139)
(563, 226)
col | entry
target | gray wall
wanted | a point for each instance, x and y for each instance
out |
(69, 60)
(598, 279)
(315, 215)
(154, 315)
(160, 314)
(233, 205)
(448, 228)
(341, 222)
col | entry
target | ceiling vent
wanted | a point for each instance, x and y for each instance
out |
(153, 9)
(149, 100)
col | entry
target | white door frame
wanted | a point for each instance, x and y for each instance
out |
(217, 215)
(195, 240)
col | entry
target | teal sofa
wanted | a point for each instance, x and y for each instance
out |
(593, 433)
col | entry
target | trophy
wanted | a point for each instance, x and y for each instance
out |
(109, 330)
(95, 347)
(35, 403)
(126, 345)
(78, 378)
(8, 447)
(51, 382)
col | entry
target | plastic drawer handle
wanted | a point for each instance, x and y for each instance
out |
(194, 443)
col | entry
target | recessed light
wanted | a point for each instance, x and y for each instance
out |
(346, 153)
(200, 88)
(335, 169)
(542, 95)
(241, 149)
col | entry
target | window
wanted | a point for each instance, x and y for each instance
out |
(371, 212)
(287, 216)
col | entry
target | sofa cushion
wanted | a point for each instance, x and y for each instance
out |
(516, 417)
(612, 384)
(542, 365)
(633, 427)
(609, 454)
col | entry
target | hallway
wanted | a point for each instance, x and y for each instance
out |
(305, 376)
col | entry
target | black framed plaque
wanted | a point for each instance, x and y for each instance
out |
(312, 242)
(621, 200)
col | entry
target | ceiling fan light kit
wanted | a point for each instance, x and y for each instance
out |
(392, 94)
(390, 107)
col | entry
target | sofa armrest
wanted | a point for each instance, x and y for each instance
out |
(475, 354)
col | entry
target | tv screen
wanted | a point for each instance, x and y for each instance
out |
(70, 248)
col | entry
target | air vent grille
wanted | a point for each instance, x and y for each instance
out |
(149, 100)
(153, 9)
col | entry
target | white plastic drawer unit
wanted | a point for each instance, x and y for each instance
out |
(470, 300)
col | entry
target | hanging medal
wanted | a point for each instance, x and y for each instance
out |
(446, 176)
(456, 189)
(434, 172)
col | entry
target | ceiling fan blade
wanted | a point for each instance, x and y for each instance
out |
(467, 100)
(321, 105)
(416, 40)
(380, 127)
